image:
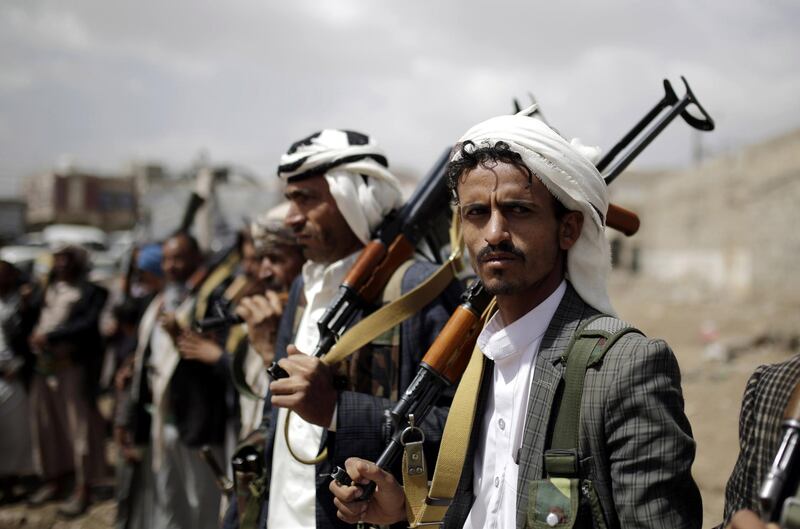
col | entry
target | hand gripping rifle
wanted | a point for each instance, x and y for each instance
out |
(447, 358)
(778, 492)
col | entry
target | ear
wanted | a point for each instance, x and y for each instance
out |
(569, 229)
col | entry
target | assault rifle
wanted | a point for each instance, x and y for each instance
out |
(447, 358)
(777, 494)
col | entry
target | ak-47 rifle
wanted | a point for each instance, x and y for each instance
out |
(447, 358)
(781, 483)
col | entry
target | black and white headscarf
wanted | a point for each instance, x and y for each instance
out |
(357, 173)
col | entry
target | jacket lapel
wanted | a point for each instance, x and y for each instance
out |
(546, 377)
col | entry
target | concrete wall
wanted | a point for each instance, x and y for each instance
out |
(729, 227)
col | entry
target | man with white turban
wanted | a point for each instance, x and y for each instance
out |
(616, 452)
(339, 189)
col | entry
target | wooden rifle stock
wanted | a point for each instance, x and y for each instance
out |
(375, 265)
(449, 354)
(622, 220)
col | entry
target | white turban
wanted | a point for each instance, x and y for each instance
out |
(567, 172)
(356, 171)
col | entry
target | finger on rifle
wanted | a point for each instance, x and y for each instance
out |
(292, 350)
(346, 493)
(257, 309)
(362, 471)
(275, 301)
(244, 309)
(285, 386)
(350, 512)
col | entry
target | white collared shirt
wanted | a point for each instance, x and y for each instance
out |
(293, 491)
(513, 348)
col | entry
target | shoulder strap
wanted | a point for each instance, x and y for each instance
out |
(590, 343)
(395, 312)
(238, 344)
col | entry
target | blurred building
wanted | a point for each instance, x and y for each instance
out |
(77, 197)
(236, 196)
(12, 219)
(729, 227)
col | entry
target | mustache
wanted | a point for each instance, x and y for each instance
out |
(504, 246)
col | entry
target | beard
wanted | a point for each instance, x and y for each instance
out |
(500, 282)
(500, 288)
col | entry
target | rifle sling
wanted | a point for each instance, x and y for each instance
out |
(399, 309)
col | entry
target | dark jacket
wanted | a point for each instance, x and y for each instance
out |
(81, 329)
(17, 328)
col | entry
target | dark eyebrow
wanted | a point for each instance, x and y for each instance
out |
(472, 204)
(524, 203)
(297, 193)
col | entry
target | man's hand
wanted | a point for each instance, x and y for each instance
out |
(37, 341)
(125, 445)
(261, 314)
(124, 374)
(745, 519)
(387, 505)
(308, 390)
(170, 324)
(193, 346)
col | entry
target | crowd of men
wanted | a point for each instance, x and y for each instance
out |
(566, 416)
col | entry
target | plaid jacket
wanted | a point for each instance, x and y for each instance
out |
(765, 398)
(635, 441)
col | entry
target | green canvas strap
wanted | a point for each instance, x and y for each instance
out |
(590, 343)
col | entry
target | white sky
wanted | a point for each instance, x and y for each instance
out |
(103, 83)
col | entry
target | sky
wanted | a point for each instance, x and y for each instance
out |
(97, 84)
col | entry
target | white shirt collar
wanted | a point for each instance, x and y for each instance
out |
(499, 341)
(327, 275)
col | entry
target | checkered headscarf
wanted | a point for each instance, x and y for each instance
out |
(357, 173)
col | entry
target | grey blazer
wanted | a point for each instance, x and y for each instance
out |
(635, 441)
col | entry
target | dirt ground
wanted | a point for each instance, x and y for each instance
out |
(718, 345)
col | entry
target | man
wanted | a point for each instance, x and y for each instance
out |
(760, 425)
(17, 318)
(279, 260)
(188, 399)
(532, 210)
(67, 427)
(339, 189)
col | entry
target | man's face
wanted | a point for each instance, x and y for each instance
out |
(316, 221)
(8, 277)
(280, 264)
(250, 261)
(178, 259)
(64, 266)
(516, 242)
